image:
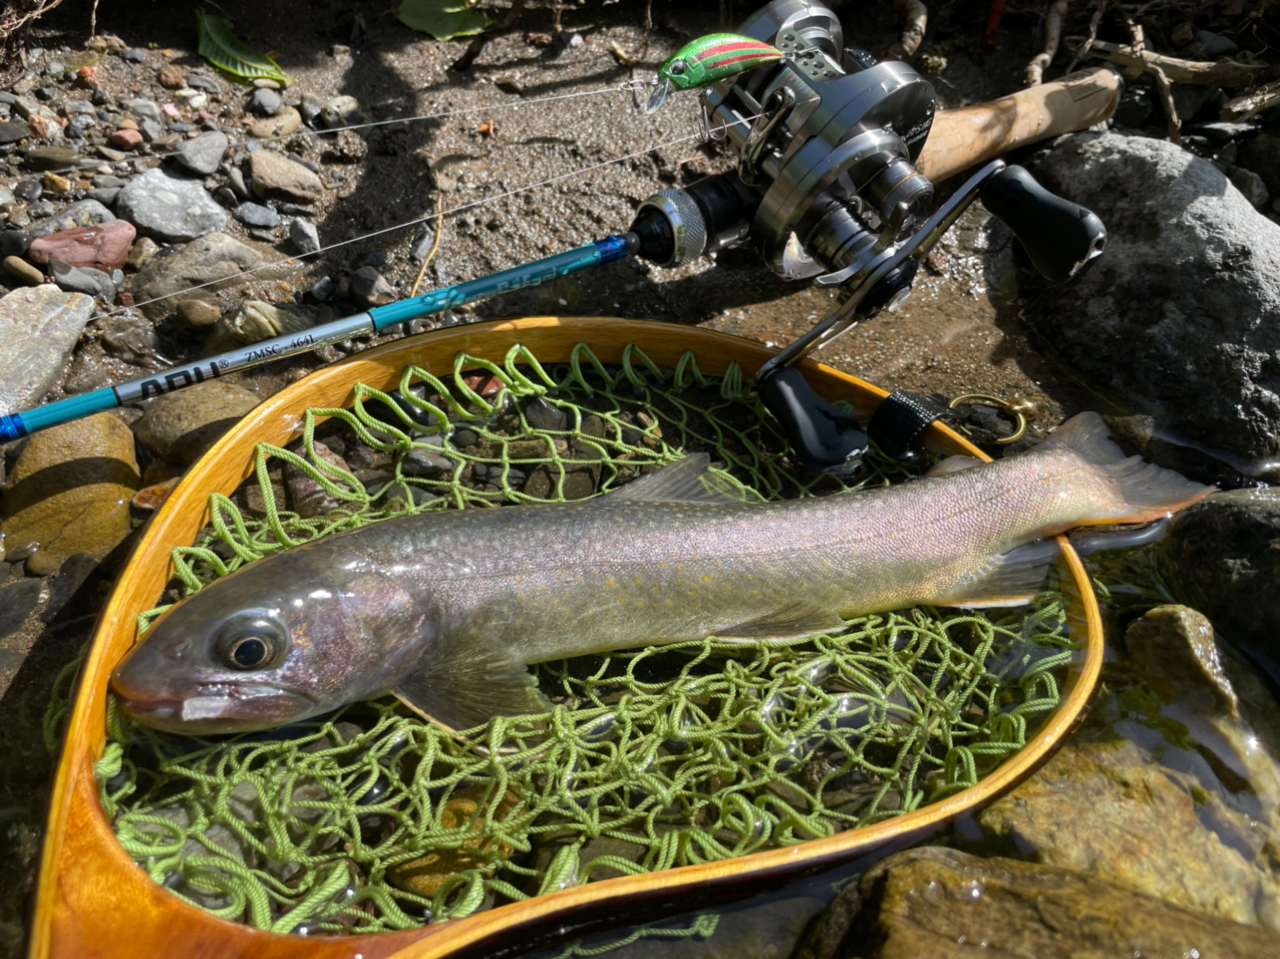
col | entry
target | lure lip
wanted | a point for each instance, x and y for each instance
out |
(659, 95)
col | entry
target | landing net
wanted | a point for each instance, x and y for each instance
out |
(375, 820)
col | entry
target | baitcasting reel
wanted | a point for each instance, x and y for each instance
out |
(826, 188)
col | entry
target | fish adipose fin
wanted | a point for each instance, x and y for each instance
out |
(685, 481)
(1011, 579)
(1146, 491)
(791, 622)
(467, 686)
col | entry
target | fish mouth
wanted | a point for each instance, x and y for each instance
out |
(216, 709)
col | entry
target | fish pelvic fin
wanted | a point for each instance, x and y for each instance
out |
(793, 621)
(685, 481)
(1011, 579)
(1144, 491)
(468, 685)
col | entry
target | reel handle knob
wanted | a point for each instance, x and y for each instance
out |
(1060, 237)
(823, 438)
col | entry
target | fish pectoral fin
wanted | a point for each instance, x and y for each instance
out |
(468, 689)
(792, 621)
(1011, 579)
(685, 481)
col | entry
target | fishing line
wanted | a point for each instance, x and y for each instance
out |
(275, 264)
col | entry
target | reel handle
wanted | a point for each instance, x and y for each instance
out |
(823, 438)
(1060, 237)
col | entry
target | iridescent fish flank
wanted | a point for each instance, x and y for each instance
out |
(446, 609)
(709, 60)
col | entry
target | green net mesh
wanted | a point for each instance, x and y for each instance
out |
(373, 819)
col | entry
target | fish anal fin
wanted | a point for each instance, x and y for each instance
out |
(468, 689)
(685, 481)
(792, 621)
(1011, 579)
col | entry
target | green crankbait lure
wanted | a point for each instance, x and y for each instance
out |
(709, 60)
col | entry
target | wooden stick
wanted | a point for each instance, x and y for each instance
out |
(1224, 73)
(1162, 79)
(963, 138)
(1253, 102)
(1052, 34)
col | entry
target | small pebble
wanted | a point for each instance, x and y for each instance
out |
(22, 271)
(255, 214)
(126, 139)
(304, 236)
(265, 103)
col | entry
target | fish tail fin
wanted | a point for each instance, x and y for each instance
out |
(468, 683)
(1144, 491)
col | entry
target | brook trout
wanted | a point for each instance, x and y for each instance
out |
(446, 610)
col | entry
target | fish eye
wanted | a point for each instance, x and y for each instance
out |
(250, 642)
(678, 68)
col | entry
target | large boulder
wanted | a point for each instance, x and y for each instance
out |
(1179, 320)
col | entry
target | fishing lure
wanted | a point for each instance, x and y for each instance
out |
(709, 60)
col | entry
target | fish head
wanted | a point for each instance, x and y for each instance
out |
(276, 642)
(682, 72)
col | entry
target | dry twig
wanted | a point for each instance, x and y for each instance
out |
(1253, 102)
(1052, 36)
(435, 244)
(1224, 73)
(1099, 9)
(1157, 71)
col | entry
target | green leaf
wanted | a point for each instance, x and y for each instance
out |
(220, 47)
(443, 19)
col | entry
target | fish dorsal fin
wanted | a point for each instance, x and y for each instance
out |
(468, 684)
(953, 464)
(685, 481)
(793, 621)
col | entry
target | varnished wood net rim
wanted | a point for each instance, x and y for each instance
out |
(92, 900)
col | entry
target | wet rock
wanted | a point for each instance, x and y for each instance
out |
(1262, 155)
(254, 321)
(11, 131)
(133, 339)
(304, 236)
(52, 157)
(255, 214)
(203, 154)
(213, 257)
(265, 103)
(22, 271)
(83, 279)
(179, 426)
(371, 288)
(1176, 650)
(18, 601)
(1146, 828)
(38, 329)
(427, 875)
(142, 252)
(1180, 318)
(69, 493)
(282, 124)
(101, 247)
(935, 903)
(126, 140)
(80, 214)
(275, 176)
(341, 111)
(1222, 557)
(307, 495)
(197, 314)
(170, 207)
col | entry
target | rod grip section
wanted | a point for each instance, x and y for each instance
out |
(1059, 236)
(823, 438)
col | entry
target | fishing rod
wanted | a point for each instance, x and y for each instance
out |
(831, 185)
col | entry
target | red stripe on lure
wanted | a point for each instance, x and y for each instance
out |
(709, 60)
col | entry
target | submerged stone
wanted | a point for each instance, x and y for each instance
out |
(936, 903)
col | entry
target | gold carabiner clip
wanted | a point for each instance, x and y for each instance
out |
(1016, 411)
